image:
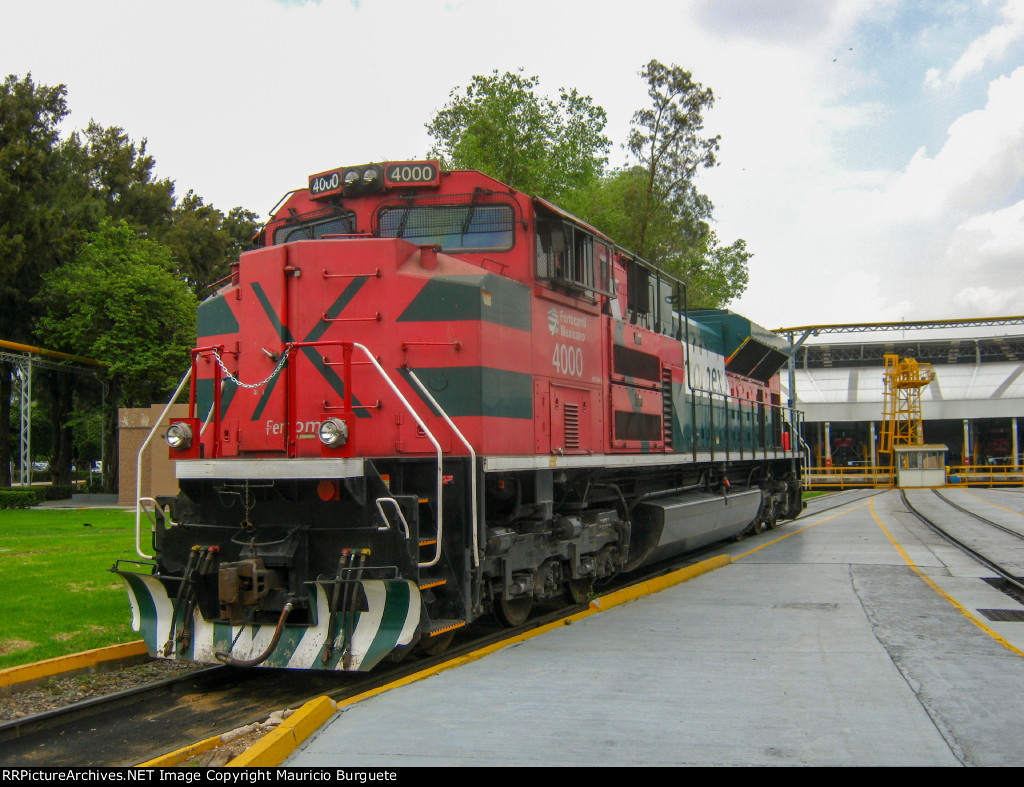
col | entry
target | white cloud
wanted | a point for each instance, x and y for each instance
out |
(244, 105)
(988, 48)
(980, 165)
(990, 243)
(986, 301)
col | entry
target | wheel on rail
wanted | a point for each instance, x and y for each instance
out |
(513, 612)
(756, 527)
(578, 590)
(435, 646)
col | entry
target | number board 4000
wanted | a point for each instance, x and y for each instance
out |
(409, 173)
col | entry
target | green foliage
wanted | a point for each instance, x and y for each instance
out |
(204, 242)
(20, 498)
(653, 207)
(557, 149)
(120, 177)
(35, 196)
(119, 300)
(58, 596)
(501, 126)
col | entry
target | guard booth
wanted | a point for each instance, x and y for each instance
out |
(920, 465)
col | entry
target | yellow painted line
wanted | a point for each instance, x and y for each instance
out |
(275, 746)
(281, 741)
(87, 658)
(597, 605)
(174, 758)
(983, 500)
(928, 580)
(801, 530)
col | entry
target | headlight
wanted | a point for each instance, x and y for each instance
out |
(179, 436)
(333, 432)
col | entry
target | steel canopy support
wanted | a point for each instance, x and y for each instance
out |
(23, 374)
(23, 362)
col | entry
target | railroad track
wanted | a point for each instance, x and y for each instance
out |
(819, 505)
(978, 536)
(136, 725)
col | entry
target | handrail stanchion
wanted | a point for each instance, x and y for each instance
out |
(138, 466)
(472, 457)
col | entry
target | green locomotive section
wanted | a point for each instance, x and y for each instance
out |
(485, 297)
(477, 391)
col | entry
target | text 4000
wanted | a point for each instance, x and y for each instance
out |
(568, 360)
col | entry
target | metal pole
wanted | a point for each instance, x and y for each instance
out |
(24, 370)
(1014, 445)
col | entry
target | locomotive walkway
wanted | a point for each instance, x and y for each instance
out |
(849, 637)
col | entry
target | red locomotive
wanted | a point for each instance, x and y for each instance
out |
(428, 397)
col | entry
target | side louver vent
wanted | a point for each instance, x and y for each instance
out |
(572, 426)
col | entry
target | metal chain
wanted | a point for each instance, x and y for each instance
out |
(240, 384)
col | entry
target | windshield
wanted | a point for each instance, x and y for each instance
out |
(452, 227)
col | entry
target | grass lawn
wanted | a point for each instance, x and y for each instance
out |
(56, 595)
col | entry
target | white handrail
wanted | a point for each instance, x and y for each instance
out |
(138, 467)
(437, 446)
(472, 456)
(387, 522)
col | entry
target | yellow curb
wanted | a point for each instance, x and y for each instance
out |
(179, 756)
(88, 658)
(272, 749)
(281, 741)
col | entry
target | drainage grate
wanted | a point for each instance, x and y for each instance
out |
(1004, 615)
(1001, 584)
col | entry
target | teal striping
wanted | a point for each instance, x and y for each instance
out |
(396, 612)
(291, 636)
(459, 298)
(477, 391)
(204, 397)
(283, 333)
(311, 353)
(215, 318)
(222, 637)
(147, 610)
(268, 391)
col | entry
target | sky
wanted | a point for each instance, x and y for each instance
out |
(872, 151)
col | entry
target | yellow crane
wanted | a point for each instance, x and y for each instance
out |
(901, 404)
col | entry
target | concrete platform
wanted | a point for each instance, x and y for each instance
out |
(848, 637)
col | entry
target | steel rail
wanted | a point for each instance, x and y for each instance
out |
(979, 517)
(985, 561)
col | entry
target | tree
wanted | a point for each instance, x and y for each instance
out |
(665, 139)
(37, 195)
(653, 208)
(120, 175)
(205, 242)
(121, 300)
(500, 126)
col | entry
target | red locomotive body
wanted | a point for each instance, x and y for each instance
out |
(427, 397)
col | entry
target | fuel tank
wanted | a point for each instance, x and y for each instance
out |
(670, 526)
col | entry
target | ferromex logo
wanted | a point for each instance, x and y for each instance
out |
(567, 325)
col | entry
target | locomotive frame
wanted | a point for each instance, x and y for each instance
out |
(429, 397)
